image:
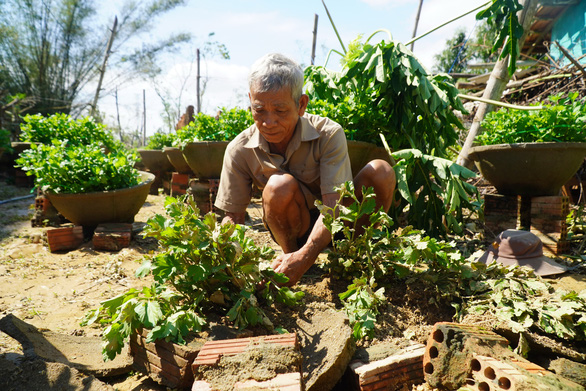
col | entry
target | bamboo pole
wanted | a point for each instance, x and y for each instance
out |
(314, 41)
(416, 23)
(496, 84)
(103, 69)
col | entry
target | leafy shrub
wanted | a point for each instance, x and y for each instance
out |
(5, 141)
(378, 256)
(203, 267)
(383, 89)
(562, 121)
(160, 140)
(39, 129)
(207, 128)
(63, 168)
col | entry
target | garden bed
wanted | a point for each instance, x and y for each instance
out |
(55, 290)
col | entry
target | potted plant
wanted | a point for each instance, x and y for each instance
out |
(204, 270)
(204, 140)
(152, 155)
(87, 184)
(533, 152)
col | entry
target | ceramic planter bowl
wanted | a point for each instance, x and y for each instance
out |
(361, 152)
(205, 158)
(92, 209)
(178, 161)
(155, 160)
(528, 169)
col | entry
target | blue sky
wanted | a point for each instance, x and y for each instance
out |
(252, 28)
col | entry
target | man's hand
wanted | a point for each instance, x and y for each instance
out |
(293, 265)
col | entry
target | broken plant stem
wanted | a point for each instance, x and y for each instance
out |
(497, 103)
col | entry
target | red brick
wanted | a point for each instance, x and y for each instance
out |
(112, 237)
(65, 238)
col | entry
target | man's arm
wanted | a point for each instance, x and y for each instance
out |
(295, 264)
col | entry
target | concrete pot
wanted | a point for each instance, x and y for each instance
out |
(205, 158)
(116, 206)
(528, 169)
(361, 152)
(178, 161)
(155, 160)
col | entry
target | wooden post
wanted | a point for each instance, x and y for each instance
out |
(197, 90)
(416, 23)
(103, 69)
(496, 84)
(315, 39)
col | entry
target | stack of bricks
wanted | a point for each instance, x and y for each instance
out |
(204, 194)
(112, 236)
(544, 216)
(403, 369)
(167, 363)
(64, 238)
(548, 222)
(179, 184)
(45, 213)
(500, 214)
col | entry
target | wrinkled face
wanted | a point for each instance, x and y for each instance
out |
(276, 114)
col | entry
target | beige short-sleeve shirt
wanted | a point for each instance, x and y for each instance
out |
(317, 156)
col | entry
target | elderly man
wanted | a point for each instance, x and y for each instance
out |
(295, 158)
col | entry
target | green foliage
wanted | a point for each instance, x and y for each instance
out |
(63, 168)
(160, 140)
(514, 295)
(503, 13)
(383, 89)
(434, 191)
(203, 267)
(51, 50)
(5, 141)
(61, 127)
(562, 121)
(523, 301)
(205, 127)
(454, 49)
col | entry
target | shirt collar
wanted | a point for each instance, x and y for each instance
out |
(304, 131)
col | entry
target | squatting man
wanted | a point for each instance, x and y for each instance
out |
(294, 158)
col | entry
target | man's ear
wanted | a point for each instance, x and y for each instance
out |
(303, 101)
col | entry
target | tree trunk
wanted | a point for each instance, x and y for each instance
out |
(496, 84)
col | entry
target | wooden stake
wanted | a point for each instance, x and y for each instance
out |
(103, 69)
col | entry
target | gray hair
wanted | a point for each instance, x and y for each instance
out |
(274, 71)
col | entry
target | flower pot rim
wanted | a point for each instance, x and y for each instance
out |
(146, 177)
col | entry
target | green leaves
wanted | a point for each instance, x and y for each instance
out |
(562, 121)
(503, 13)
(228, 124)
(63, 128)
(63, 168)
(203, 267)
(384, 89)
(436, 192)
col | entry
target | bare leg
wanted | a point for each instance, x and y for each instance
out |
(285, 210)
(379, 175)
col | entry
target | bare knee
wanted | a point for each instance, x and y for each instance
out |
(379, 175)
(280, 188)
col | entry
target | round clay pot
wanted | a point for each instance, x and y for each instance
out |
(205, 158)
(361, 152)
(115, 206)
(528, 169)
(155, 160)
(178, 161)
